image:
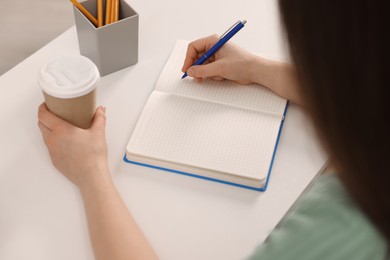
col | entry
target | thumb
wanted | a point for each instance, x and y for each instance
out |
(99, 120)
(209, 70)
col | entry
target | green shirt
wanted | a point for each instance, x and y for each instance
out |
(325, 224)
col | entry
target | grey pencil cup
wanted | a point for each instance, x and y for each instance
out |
(111, 47)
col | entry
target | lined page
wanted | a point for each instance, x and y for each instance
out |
(206, 135)
(253, 97)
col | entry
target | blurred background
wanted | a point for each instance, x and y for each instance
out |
(27, 25)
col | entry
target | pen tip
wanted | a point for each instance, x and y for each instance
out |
(184, 75)
(244, 22)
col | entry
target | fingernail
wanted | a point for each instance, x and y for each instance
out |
(103, 109)
(190, 72)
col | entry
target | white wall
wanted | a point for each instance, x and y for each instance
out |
(27, 25)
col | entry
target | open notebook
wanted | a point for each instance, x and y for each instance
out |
(215, 130)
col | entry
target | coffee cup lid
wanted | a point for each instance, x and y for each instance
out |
(69, 77)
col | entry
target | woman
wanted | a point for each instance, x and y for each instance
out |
(339, 49)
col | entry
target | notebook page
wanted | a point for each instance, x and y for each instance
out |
(253, 97)
(205, 135)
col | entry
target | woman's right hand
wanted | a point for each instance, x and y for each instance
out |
(234, 63)
(230, 62)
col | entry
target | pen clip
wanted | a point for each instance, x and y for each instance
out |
(231, 28)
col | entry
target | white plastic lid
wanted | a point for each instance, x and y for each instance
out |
(69, 77)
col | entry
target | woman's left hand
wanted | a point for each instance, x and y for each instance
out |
(79, 154)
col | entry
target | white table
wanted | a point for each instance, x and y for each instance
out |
(41, 213)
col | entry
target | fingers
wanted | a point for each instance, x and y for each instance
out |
(209, 70)
(49, 119)
(191, 57)
(217, 78)
(196, 49)
(44, 131)
(99, 120)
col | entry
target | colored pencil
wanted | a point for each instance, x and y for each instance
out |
(116, 10)
(108, 11)
(100, 12)
(85, 12)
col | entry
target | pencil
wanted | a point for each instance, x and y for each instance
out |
(112, 11)
(116, 10)
(108, 12)
(100, 12)
(85, 12)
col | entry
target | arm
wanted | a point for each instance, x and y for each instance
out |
(234, 63)
(278, 76)
(113, 231)
(81, 155)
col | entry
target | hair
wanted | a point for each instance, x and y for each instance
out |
(341, 52)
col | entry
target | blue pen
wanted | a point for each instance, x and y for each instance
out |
(224, 38)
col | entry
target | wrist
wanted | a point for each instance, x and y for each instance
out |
(97, 178)
(279, 77)
(259, 70)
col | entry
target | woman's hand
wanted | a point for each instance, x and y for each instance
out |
(80, 154)
(234, 63)
(230, 62)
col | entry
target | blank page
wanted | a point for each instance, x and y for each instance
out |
(205, 135)
(254, 97)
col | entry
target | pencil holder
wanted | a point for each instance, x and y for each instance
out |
(111, 47)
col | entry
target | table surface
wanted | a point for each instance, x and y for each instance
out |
(41, 212)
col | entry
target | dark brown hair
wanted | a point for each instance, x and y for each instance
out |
(341, 51)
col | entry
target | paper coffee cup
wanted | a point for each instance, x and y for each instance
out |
(69, 88)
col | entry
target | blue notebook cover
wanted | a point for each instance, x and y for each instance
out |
(217, 180)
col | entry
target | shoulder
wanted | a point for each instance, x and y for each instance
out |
(325, 223)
